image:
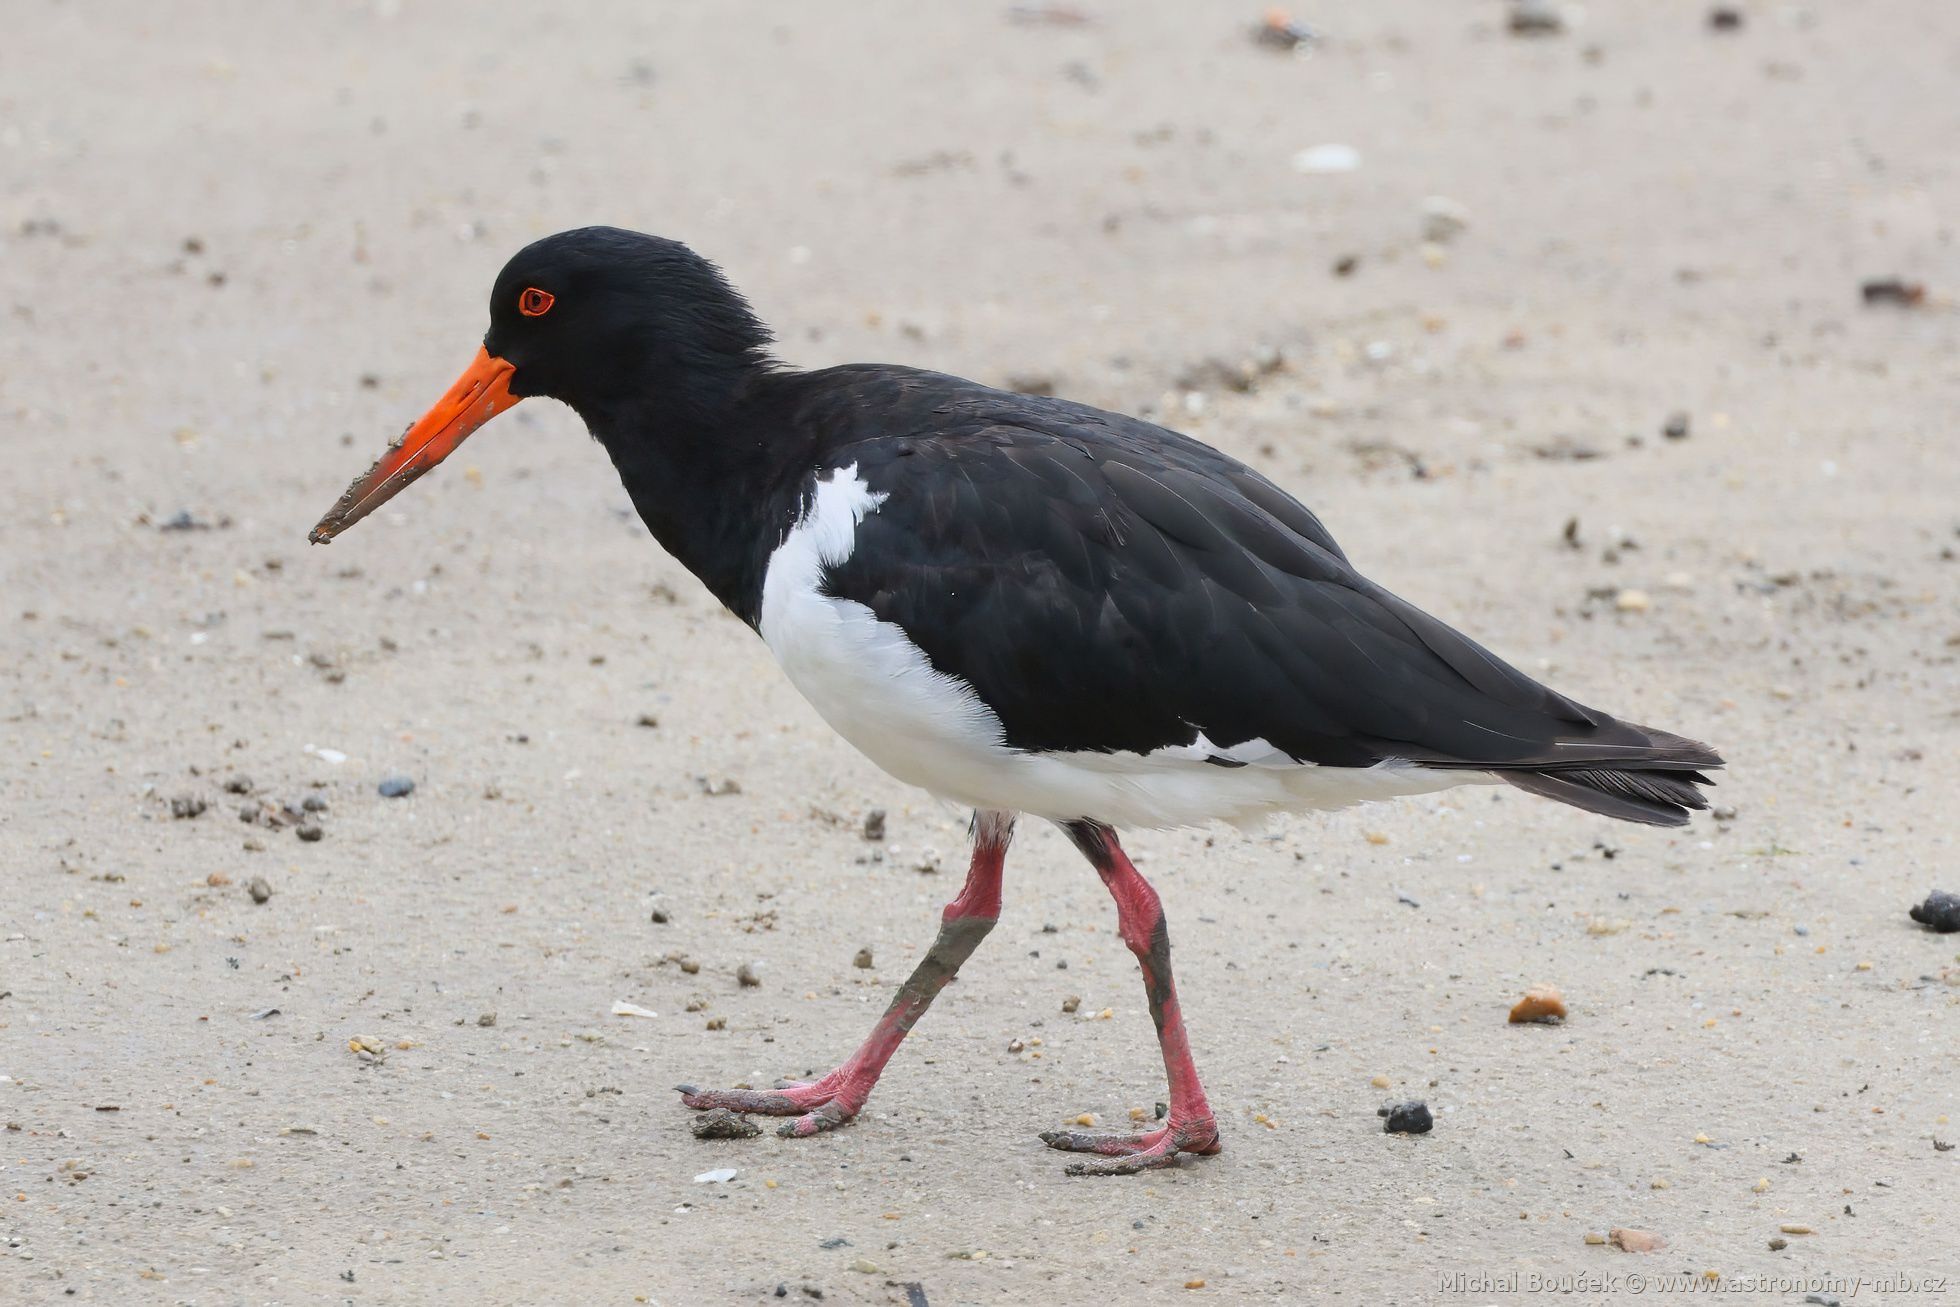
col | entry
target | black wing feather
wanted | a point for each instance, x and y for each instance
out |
(1105, 584)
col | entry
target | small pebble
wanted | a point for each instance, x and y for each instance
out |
(313, 803)
(1633, 601)
(1940, 912)
(1411, 1118)
(396, 787)
(259, 888)
(238, 785)
(1893, 290)
(1071, 1003)
(486, 1019)
(309, 831)
(1327, 158)
(1635, 1241)
(659, 916)
(1778, 1244)
(1676, 427)
(1442, 219)
(186, 806)
(874, 824)
(1278, 31)
(745, 977)
(1541, 1003)
(1725, 18)
(1535, 18)
(720, 1123)
(862, 960)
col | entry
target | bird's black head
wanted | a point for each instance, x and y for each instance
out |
(639, 334)
(597, 315)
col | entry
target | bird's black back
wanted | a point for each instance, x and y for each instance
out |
(1107, 584)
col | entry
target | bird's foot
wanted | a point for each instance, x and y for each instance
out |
(817, 1105)
(1127, 1154)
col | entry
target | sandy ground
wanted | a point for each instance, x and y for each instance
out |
(245, 244)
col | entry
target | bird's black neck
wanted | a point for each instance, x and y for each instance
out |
(713, 468)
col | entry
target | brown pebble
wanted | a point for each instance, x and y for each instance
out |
(309, 831)
(486, 1019)
(1635, 1241)
(720, 1123)
(745, 977)
(1893, 290)
(1071, 1003)
(1540, 1003)
(259, 888)
(1778, 1244)
(863, 960)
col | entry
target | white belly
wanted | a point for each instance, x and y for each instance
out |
(879, 691)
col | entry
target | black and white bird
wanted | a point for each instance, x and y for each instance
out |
(1022, 605)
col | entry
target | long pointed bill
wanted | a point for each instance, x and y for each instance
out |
(482, 392)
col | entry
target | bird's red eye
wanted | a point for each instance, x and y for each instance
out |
(534, 303)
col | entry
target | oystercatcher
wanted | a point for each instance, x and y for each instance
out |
(1021, 604)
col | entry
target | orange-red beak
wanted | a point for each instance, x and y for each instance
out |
(482, 392)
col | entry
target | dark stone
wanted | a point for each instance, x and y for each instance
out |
(720, 1123)
(396, 787)
(1940, 912)
(1410, 1118)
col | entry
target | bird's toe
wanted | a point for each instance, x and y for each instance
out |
(1084, 1141)
(828, 1117)
(1127, 1154)
(741, 1100)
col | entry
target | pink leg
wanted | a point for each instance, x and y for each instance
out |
(830, 1102)
(1140, 918)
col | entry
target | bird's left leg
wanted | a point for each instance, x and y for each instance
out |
(1140, 919)
(824, 1104)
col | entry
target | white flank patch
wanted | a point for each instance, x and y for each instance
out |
(878, 690)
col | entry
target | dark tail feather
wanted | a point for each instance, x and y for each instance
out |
(1653, 798)
(1657, 790)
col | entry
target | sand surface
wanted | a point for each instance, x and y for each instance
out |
(244, 244)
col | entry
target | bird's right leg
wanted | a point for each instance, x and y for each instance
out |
(835, 1099)
(1191, 1128)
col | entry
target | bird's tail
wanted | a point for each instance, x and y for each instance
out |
(1656, 784)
